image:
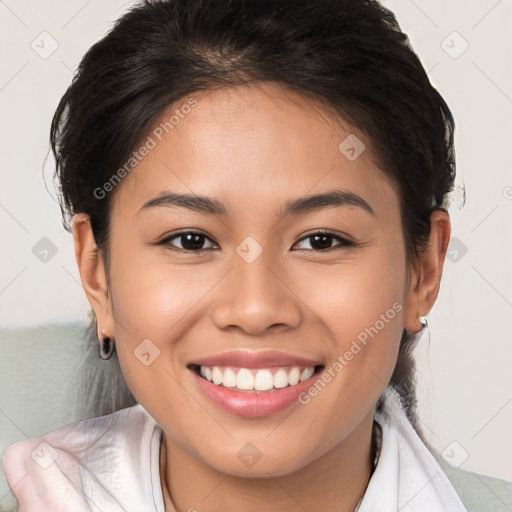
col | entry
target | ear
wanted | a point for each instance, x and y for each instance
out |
(426, 280)
(92, 273)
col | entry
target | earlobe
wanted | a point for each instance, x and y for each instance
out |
(92, 271)
(424, 288)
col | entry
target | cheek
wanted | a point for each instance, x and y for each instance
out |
(362, 295)
(154, 304)
(154, 299)
(361, 307)
(154, 308)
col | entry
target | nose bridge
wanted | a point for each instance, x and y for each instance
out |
(257, 297)
(254, 279)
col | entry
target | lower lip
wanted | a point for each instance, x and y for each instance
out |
(252, 404)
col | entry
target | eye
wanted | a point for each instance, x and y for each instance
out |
(191, 241)
(322, 240)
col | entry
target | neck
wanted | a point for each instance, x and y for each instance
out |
(338, 476)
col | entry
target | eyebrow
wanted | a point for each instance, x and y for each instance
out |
(211, 206)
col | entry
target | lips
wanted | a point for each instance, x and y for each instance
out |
(251, 359)
(254, 384)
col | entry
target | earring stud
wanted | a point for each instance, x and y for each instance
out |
(423, 322)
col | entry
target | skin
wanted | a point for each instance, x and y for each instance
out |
(254, 148)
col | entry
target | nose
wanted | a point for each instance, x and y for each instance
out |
(257, 297)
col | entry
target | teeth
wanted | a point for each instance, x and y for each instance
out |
(244, 379)
(229, 378)
(263, 381)
(252, 379)
(293, 376)
(217, 376)
(280, 378)
(306, 373)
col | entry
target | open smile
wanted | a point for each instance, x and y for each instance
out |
(254, 385)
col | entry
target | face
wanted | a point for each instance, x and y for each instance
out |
(250, 291)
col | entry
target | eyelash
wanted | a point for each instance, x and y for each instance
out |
(343, 241)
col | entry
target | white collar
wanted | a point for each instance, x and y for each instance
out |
(407, 477)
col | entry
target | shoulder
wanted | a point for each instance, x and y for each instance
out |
(479, 493)
(83, 458)
(80, 436)
(453, 486)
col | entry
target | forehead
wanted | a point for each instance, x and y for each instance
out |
(261, 142)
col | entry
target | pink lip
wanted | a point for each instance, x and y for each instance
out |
(249, 359)
(252, 404)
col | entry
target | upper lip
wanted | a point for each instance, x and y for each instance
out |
(250, 359)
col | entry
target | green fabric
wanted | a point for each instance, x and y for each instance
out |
(479, 493)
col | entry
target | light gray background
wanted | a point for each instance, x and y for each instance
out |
(464, 359)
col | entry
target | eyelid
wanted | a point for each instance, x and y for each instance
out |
(167, 238)
(344, 241)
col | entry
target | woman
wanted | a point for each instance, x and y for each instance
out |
(256, 193)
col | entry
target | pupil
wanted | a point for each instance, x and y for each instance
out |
(322, 241)
(192, 241)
